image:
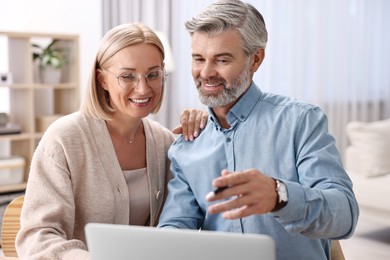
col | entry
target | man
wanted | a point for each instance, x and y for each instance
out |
(275, 164)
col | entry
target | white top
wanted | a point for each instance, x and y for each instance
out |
(137, 182)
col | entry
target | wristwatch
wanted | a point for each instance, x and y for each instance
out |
(281, 190)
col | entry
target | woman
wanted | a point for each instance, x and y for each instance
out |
(106, 163)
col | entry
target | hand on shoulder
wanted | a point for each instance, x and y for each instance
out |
(191, 122)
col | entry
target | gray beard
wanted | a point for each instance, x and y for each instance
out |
(229, 93)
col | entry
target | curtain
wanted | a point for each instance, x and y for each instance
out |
(331, 53)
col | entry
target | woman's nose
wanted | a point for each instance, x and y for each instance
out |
(142, 85)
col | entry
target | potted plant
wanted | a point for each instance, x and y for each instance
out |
(50, 61)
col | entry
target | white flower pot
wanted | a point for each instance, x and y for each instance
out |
(50, 75)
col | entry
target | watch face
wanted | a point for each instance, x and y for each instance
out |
(3, 119)
(282, 191)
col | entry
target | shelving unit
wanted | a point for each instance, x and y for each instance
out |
(30, 99)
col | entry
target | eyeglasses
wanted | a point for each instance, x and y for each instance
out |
(155, 79)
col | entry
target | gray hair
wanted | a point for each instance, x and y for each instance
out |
(224, 15)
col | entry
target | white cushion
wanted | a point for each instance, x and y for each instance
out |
(371, 192)
(369, 153)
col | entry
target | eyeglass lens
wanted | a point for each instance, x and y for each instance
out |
(155, 79)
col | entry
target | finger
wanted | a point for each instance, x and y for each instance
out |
(217, 194)
(219, 207)
(239, 213)
(226, 192)
(204, 118)
(184, 123)
(191, 123)
(177, 130)
(260, 207)
(225, 172)
(242, 206)
(198, 122)
(228, 205)
(230, 178)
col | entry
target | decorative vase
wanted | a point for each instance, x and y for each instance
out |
(50, 75)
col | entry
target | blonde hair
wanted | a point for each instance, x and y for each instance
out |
(96, 99)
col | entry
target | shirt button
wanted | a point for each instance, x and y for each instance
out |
(228, 140)
(242, 117)
(157, 195)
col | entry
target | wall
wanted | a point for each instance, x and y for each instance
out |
(60, 16)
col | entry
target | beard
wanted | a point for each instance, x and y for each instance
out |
(229, 94)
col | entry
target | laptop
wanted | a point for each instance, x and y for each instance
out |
(109, 241)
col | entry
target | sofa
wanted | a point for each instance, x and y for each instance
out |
(367, 162)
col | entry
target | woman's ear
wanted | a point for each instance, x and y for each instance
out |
(101, 79)
(258, 58)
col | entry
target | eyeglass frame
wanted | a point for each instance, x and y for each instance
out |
(165, 74)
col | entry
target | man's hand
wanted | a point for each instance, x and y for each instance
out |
(250, 192)
(191, 122)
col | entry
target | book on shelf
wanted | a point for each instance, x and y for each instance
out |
(9, 129)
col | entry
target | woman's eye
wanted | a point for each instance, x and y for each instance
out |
(129, 77)
(152, 75)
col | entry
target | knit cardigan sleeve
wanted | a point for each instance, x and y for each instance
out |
(48, 212)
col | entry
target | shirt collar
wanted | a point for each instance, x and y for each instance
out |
(243, 107)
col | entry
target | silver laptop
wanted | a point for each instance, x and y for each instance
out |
(109, 241)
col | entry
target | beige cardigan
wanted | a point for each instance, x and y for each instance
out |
(75, 178)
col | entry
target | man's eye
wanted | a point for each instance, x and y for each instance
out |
(198, 60)
(222, 61)
(129, 77)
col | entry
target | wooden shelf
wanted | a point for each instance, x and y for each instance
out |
(41, 86)
(31, 99)
(12, 188)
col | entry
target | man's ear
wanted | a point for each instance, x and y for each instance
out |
(257, 58)
(101, 79)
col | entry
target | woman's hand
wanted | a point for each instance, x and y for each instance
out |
(191, 122)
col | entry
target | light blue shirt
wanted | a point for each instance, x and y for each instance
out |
(285, 139)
